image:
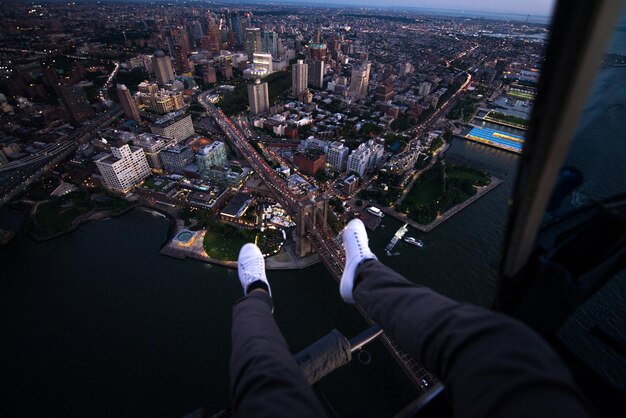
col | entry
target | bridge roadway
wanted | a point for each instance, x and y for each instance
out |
(329, 249)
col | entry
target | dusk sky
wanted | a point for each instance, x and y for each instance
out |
(533, 7)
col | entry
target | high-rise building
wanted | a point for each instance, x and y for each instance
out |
(317, 51)
(316, 73)
(176, 158)
(162, 68)
(152, 146)
(124, 168)
(205, 43)
(209, 75)
(75, 103)
(235, 26)
(299, 77)
(254, 41)
(338, 155)
(359, 81)
(405, 69)
(258, 97)
(270, 43)
(317, 35)
(175, 125)
(181, 60)
(424, 89)
(227, 71)
(214, 38)
(384, 92)
(211, 155)
(131, 111)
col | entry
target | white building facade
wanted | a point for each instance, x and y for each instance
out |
(337, 156)
(124, 168)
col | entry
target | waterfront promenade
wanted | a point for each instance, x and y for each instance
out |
(495, 182)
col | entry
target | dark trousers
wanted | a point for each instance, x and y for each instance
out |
(491, 365)
(265, 379)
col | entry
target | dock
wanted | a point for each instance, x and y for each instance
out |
(397, 237)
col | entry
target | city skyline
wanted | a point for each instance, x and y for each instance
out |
(539, 8)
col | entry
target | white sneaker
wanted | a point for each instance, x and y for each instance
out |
(251, 267)
(357, 249)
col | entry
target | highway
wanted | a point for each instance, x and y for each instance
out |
(18, 175)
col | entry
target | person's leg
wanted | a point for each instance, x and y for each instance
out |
(490, 364)
(265, 379)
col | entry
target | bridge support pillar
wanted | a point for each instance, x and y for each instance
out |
(312, 211)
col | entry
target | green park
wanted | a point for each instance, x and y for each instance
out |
(439, 189)
(61, 214)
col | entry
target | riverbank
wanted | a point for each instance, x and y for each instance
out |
(495, 182)
(52, 218)
(92, 216)
(285, 259)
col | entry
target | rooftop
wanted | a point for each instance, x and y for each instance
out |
(170, 118)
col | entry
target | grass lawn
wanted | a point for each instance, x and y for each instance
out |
(440, 189)
(235, 102)
(223, 241)
(520, 95)
(56, 215)
(156, 185)
(223, 244)
(510, 119)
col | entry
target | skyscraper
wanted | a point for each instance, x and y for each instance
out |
(131, 111)
(162, 68)
(214, 41)
(318, 51)
(209, 75)
(359, 81)
(317, 35)
(75, 102)
(299, 77)
(316, 73)
(235, 26)
(270, 43)
(254, 42)
(181, 60)
(258, 97)
(424, 89)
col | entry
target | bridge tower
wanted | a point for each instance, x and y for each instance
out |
(311, 212)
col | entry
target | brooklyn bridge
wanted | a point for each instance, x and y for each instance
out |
(312, 231)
